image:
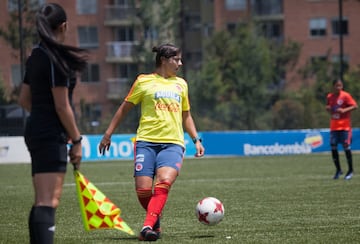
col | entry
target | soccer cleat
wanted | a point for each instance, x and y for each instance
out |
(157, 228)
(147, 234)
(348, 175)
(337, 174)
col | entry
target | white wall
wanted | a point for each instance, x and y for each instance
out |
(13, 150)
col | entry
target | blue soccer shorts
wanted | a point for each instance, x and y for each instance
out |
(151, 156)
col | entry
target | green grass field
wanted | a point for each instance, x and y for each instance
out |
(285, 199)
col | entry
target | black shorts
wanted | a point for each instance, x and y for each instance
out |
(47, 145)
(48, 155)
(49, 158)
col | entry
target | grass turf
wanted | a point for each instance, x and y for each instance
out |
(280, 199)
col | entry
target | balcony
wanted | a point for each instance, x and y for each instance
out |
(121, 52)
(268, 9)
(117, 88)
(119, 15)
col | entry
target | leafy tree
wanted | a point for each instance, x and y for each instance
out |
(11, 35)
(288, 114)
(159, 24)
(3, 99)
(233, 90)
(352, 84)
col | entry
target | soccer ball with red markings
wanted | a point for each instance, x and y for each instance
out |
(210, 211)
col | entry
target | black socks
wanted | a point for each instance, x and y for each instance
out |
(42, 225)
(335, 157)
(348, 154)
(349, 160)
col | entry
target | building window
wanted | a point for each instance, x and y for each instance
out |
(236, 4)
(231, 27)
(88, 37)
(124, 3)
(336, 60)
(194, 56)
(91, 73)
(314, 60)
(16, 75)
(92, 113)
(86, 6)
(208, 30)
(192, 22)
(317, 27)
(124, 34)
(336, 27)
(128, 71)
(151, 33)
(267, 7)
(13, 5)
(272, 30)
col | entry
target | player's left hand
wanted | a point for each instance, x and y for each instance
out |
(104, 144)
(200, 150)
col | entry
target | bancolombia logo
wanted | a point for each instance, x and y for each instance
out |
(277, 149)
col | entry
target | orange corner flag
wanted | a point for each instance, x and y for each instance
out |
(97, 211)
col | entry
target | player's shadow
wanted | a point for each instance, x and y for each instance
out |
(123, 238)
(202, 236)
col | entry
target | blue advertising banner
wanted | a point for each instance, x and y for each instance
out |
(282, 142)
(217, 144)
(122, 147)
(222, 143)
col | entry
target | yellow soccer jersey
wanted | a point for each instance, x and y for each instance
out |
(162, 103)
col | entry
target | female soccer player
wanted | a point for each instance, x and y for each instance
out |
(46, 93)
(159, 145)
(339, 105)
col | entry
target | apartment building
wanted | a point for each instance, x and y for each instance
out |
(113, 31)
(313, 23)
(107, 29)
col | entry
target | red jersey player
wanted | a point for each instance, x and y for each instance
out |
(340, 104)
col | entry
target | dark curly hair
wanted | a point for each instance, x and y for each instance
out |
(165, 50)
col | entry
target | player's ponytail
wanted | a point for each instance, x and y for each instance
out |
(67, 58)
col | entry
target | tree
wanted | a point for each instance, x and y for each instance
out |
(11, 33)
(3, 96)
(234, 88)
(20, 41)
(159, 22)
(288, 114)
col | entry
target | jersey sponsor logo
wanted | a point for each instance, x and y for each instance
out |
(167, 94)
(172, 107)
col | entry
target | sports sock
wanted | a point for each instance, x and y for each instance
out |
(157, 203)
(349, 159)
(31, 231)
(335, 157)
(42, 225)
(144, 196)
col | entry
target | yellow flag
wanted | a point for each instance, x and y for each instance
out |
(97, 211)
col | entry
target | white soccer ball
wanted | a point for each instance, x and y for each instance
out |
(210, 211)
